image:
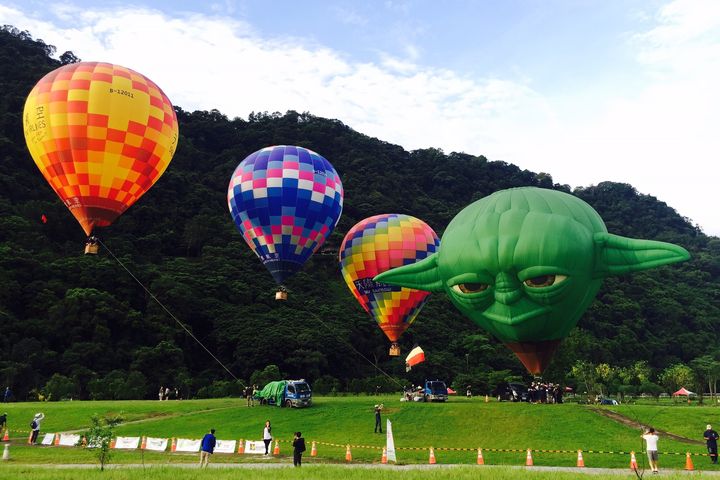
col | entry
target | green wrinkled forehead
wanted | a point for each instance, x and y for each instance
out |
(511, 207)
(519, 228)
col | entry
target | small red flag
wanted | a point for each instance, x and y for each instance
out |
(43, 219)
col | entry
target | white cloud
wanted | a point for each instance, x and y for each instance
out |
(662, 138)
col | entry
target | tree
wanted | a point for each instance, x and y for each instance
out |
(676, 376)
(707, 369)
(271, 373)
(60, 387)
(99, 435)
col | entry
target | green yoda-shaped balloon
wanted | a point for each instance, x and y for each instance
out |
(525, 263)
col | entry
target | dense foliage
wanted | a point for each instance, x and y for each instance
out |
(82, 326)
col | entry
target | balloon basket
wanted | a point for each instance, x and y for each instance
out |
(91, 248)
(394, 350)
(280, 295)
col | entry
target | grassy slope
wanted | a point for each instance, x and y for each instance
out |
(461, 423)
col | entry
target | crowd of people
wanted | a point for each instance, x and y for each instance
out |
(540, 392)
(167, 393)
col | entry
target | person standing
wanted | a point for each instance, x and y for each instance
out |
(207, 447)
(35, 427)
(711, 438)
(3, 423)
(651, 446)
(378, 423)
(298, 449)
(267, 437)
(161, 393)
(249, 396)
(8, 394)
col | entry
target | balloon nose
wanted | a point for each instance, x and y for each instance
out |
(507, 289)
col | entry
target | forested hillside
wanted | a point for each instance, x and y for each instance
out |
(86, 321)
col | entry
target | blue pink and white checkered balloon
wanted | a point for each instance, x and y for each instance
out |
(285, 200)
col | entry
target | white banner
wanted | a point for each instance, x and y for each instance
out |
(187, 445)
(130, 443)
(69, 439)
(225, 446)
(48, 439)
(390, 442)
(156, 444)
(255, 446)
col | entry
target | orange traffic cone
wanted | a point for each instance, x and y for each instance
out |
(633, 462)
(383, 459)
(84, 441)
(688, 462)
(313, 450)
(276, 450)
(432, 460)
(173, 445)
(348, 455)
(6, 437)
(580, 461)
(57, 441)
(143, 443)
(528, 459)
(480, 460)
(241, 447)
(112, 443)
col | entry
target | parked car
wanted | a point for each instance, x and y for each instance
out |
(608, 401)
(511, 391)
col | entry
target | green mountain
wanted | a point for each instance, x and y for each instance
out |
(83, 326)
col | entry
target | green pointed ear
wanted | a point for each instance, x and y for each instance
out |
(423, 275)
(619, 255)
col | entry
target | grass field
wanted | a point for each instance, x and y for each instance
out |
(455, 430)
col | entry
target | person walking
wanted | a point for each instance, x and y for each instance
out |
(711, 438)
(35, 427)
(651, 446)
(267, 437)
(298, 449)
(207, 447)
(378, 423)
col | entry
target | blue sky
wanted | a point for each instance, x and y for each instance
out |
(585, 90)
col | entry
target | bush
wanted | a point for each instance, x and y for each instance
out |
(60, 387)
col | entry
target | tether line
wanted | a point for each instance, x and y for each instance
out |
(167, 311)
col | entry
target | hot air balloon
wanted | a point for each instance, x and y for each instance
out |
(376, 245)
(101, 135)
(525, 263)
(285, 201)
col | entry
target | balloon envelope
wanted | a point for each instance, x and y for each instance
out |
(376, 245)
(285, 200)
(101, 135)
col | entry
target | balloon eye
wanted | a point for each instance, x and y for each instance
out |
(470, 287)
(544, 280)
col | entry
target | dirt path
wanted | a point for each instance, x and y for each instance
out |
(619, 418)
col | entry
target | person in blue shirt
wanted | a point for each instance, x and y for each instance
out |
(711, 438)
(207, 447)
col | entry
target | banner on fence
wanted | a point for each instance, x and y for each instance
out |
(225, 446)
(390, 442)
(68, 439)
(48, 439)
(255, 446)
(187, 445)
(156, 444)
(130, 443)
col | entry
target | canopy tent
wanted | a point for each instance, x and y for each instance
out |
(683, 391)
(451, 391)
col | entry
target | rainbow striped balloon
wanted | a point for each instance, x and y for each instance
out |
(374, 246)
(285, 201)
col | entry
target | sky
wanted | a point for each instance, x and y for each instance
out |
(585, 90)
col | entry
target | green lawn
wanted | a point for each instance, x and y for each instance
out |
(455, 430)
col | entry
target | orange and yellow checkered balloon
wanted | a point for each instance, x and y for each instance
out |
(101, 135)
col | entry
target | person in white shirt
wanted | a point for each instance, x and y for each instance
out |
(651, 442)
(267, 437)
